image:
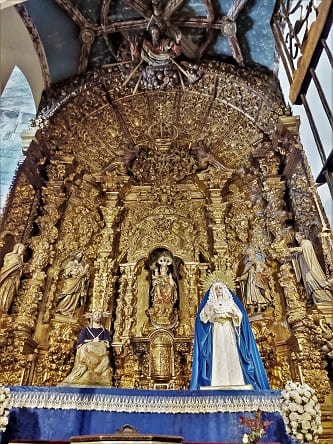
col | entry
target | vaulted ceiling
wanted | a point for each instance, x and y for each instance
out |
(77, 35)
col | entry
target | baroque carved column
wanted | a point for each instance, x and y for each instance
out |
(217, 210)
(306, 359)
(126, 362)
(296, 179)
(18, 209)
(104, 280)
(27, 304)
(203, 273)
(190, 304)
(125, 305)
(307, 208)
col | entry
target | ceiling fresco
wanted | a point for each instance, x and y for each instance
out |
(79, 35)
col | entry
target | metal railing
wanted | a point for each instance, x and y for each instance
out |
(300, 29)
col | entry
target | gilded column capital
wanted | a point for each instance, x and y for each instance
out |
(288, 123)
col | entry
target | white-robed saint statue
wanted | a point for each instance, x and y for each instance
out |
(225, 353)
(317, 284)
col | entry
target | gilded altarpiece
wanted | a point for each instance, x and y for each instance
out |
(148, 192)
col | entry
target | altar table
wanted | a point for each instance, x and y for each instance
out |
(58, 413)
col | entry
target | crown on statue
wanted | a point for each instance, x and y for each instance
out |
(164, 260)
(225, 276)
(162, 134)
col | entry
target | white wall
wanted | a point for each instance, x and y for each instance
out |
(17, 49)
(7, 3)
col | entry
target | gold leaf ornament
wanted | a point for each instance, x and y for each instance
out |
(224, 276)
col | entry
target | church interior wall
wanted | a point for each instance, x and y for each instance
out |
(184, 183)
(17, 49)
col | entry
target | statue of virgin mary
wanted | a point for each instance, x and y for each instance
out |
(225, 352)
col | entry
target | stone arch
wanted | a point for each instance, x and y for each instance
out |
(17, 109)
(17, 49)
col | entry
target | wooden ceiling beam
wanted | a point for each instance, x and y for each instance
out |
(235, 9)
(171, 8)
(84, 58)
(189, 49)
(198, 22)
(75, 14)
(140, 7)
(210, 10)
(126, 25)
(206, 44)
(105, 7)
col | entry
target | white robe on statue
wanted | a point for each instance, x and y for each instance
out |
(224, 314)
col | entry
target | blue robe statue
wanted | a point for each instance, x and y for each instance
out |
(249, 357)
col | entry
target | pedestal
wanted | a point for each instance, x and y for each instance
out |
(227, 387)
(129, 435)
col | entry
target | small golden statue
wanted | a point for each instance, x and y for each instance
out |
(10, 275)
(75, 286)
(254, 283)
(163, 292)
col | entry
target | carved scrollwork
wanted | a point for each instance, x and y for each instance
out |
(204, 173)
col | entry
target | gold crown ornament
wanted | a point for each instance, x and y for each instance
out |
(224, 276)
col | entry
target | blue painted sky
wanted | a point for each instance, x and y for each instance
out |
(59, 34)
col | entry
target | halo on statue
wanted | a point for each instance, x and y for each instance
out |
(225, 276)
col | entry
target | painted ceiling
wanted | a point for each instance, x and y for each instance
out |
(78, 35)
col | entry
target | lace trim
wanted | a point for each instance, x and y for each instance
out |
(146, 404)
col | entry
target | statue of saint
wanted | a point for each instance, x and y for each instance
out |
(92, 360)
(10, 275)
(163, 286)
(316, 284)
(76, 281)
(225, 352)
(255, 283)
(158, 50)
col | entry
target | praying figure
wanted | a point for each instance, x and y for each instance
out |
(74, 291)
(225, 352)
(10, 275)
(92, 360)
(316, 283)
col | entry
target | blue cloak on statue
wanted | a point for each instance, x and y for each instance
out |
(250, 359)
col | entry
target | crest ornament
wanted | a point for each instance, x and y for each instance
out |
(225, 276)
